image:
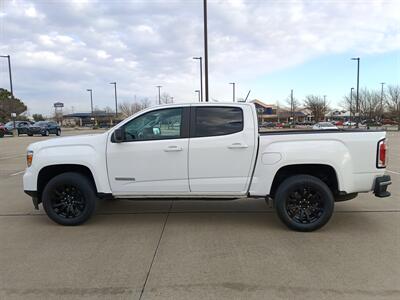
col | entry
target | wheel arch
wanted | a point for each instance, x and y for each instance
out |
(325, 172)
(48, 172)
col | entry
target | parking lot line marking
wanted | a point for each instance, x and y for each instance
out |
(394, 172)
(14, 156)
(20, 172)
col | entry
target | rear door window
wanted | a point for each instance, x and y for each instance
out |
(215, 120)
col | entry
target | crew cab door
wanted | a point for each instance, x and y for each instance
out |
(152, 159)
(221, 149)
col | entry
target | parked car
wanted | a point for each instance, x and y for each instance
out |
(216, 152)
(324, 126)
(9, 126)
(2, 130)
(348, 123)
(338, 123)
(389, 122)
(23, 127)
(268, 124)
(44, 128)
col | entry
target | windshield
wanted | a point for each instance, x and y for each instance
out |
(8, 124)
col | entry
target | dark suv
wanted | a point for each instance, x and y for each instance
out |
(44, 128)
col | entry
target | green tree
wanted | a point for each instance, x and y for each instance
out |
(9, 105)
(38, 117)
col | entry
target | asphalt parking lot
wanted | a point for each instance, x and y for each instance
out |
(195, 250)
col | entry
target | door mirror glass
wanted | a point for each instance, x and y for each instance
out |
(119, 135)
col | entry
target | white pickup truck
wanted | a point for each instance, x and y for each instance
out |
(206, 151)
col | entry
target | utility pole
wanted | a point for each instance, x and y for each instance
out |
(358, 86)
(91, 105)
(233, 91)
(11, 89)
(201, 76)
(159, 93)
(324, 107)
(115, 96)
(205, 48)
(351, 102)
(382, 83)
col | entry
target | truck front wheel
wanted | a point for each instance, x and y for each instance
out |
(304, 203)
(69, 199)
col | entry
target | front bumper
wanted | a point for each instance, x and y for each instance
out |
(381, 185)
(35, 198)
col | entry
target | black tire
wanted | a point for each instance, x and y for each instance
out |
(69, 199)
(30, 134)
(304, 203)
(58, 133)
(1, 134)
(45, 133)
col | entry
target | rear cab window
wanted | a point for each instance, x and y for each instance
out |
(216, 120)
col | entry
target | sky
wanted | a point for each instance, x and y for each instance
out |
(61, 48)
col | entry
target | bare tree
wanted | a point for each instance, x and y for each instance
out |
(108, 110)
(317, 106)
(166, 98)
(393, 102)
(127, 109)
(294, 105)
(369, 104)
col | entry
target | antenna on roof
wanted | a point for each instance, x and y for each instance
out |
(247, 96)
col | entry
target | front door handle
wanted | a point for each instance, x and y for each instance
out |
(238, 146)
(173, 148)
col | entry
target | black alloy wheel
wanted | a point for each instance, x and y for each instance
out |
(68, 201)
(69, 198)
(304, 203)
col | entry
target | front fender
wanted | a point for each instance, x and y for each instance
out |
(84, 155)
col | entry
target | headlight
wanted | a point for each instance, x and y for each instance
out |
(29, 158)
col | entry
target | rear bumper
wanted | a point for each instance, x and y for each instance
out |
(381, 185)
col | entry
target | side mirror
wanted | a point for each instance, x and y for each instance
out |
(119, 135)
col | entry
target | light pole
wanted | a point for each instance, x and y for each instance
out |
(159, 93)
(291, 107)
(91, 103)
(358, 86)
(233, 91)
(198, 94)
(116, 99)
(382, 83)
(11, 86)
(201, 76)
(205, 48)
(351, 102)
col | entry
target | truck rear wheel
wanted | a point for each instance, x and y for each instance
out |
(304, 203)
(69, 199)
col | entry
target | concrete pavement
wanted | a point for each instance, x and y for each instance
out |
(195, 249)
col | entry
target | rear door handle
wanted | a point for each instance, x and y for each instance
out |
(238, 146)
(173, 148)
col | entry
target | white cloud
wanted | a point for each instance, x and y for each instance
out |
(102, 54)
(142, 44)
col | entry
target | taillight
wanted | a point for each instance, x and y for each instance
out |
(382, 154)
